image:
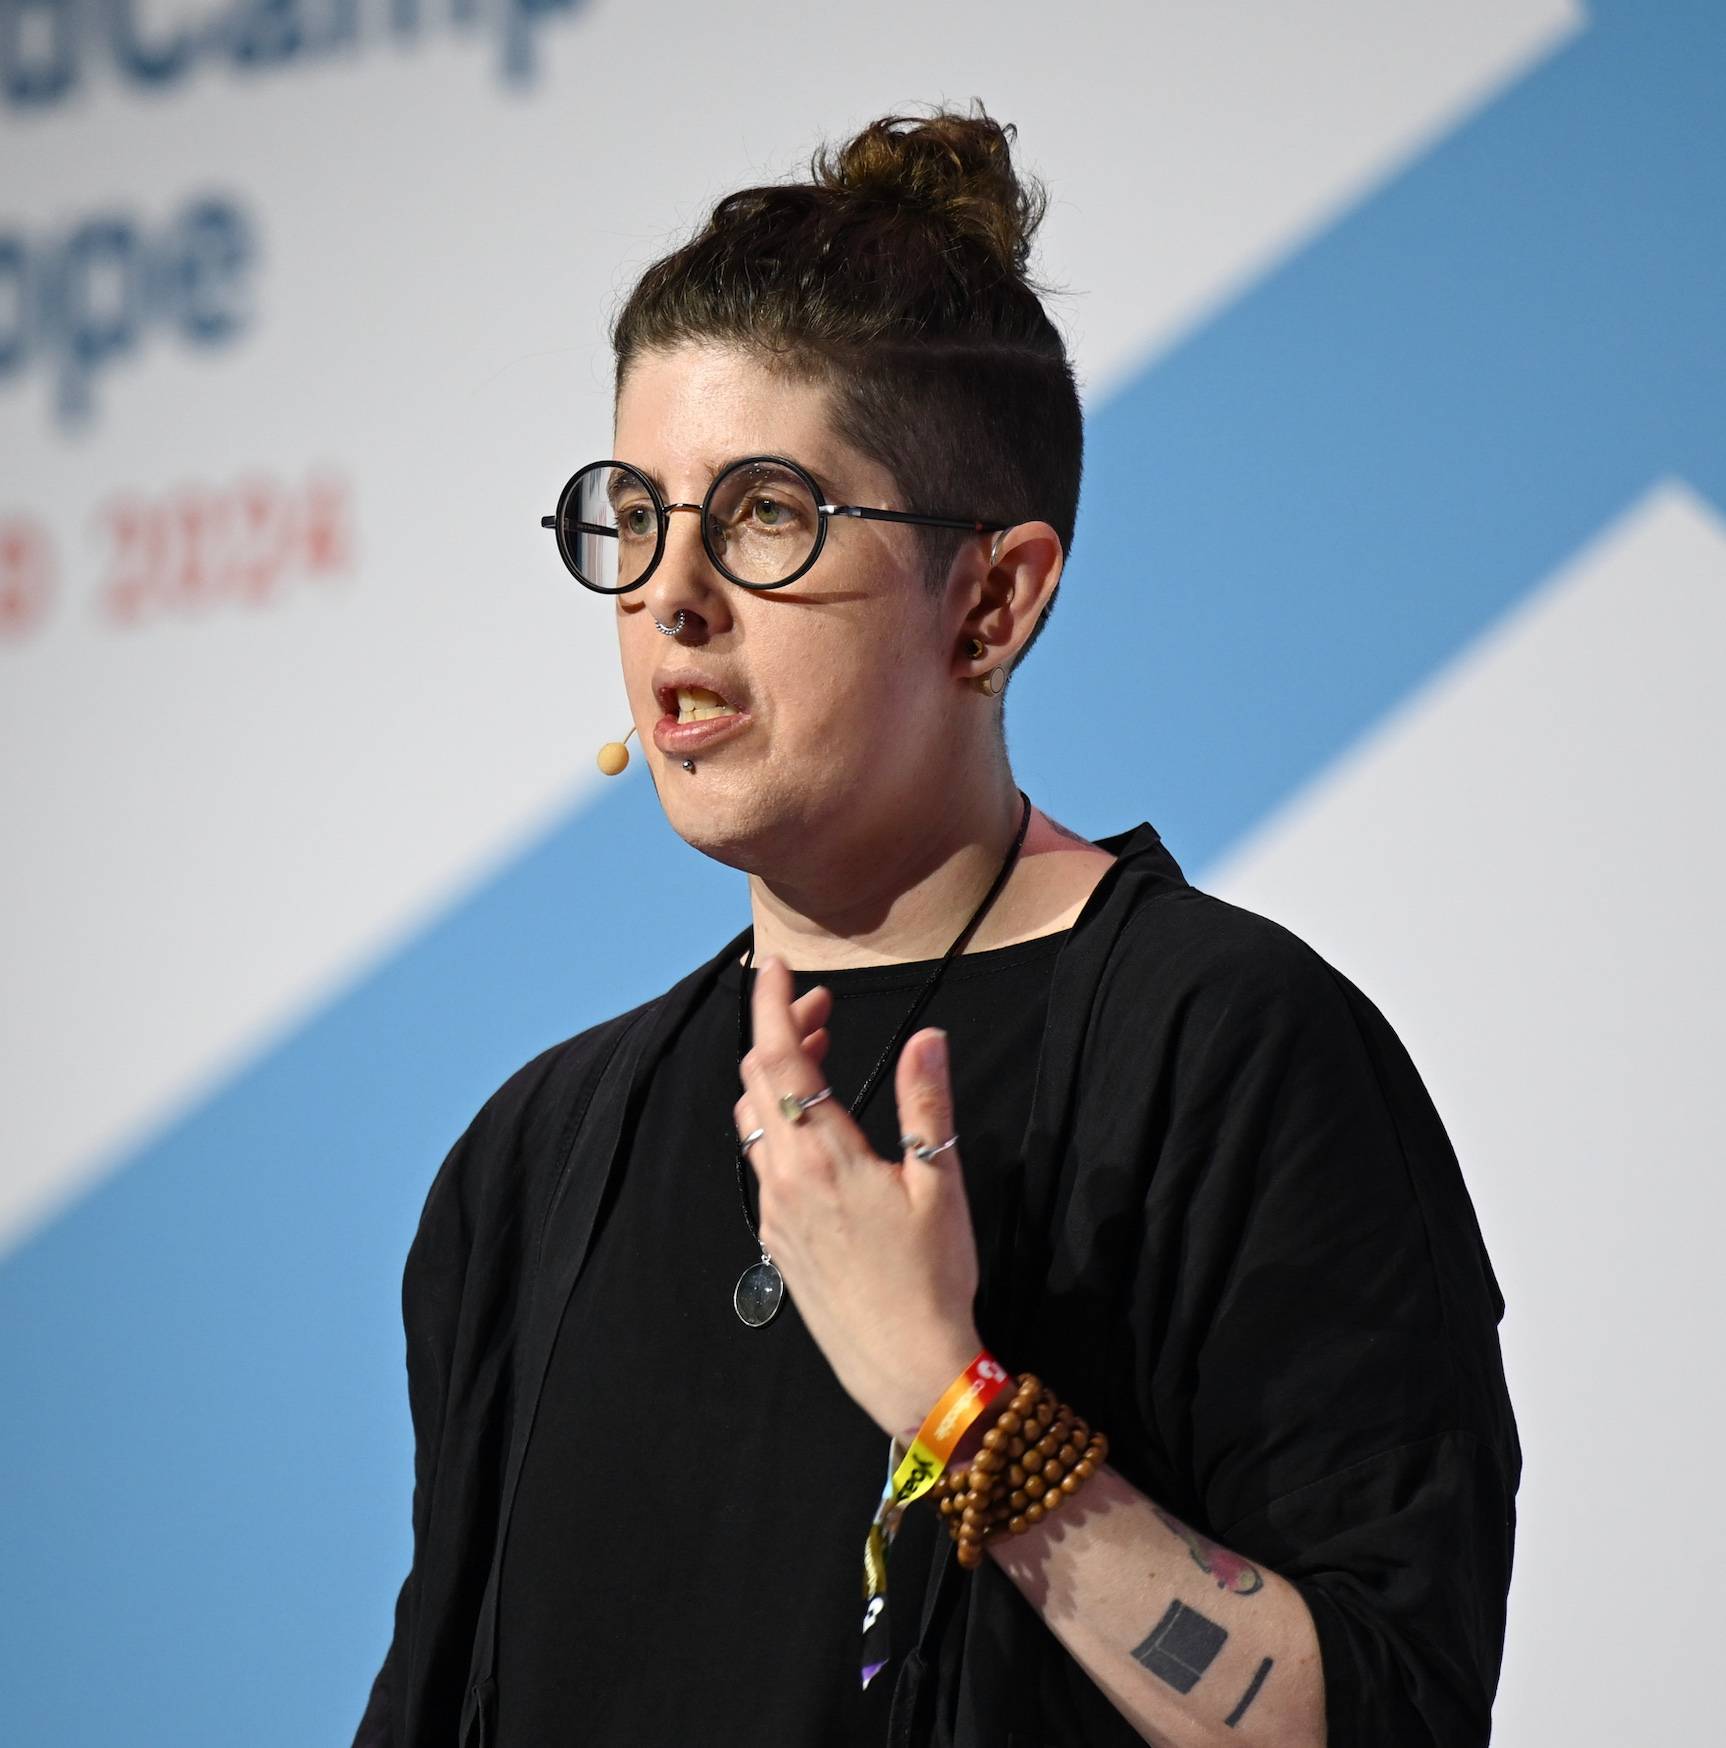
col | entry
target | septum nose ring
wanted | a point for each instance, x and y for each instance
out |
(674, 627)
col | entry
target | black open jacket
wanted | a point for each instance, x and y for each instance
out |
(1242, 1248)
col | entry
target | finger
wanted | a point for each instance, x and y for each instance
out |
(777, 1067)
(747, 1122)
(773, 1019)
(765, 1086)
(812, 1009)
(744, 1110)
(925, 1100)
(777, 1051)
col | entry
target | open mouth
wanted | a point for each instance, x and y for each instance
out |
(696, 716)
(697, 704)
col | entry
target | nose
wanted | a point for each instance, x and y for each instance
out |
(684, 581)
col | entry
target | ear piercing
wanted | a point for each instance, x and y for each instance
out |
(993, 683)
(675, 626)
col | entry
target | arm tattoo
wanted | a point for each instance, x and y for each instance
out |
(1181, 1647)
(1251, 1693)
(1230, 1571)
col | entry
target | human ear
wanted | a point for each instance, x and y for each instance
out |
(1006, 588)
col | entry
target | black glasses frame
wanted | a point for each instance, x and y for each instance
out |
(825, 513)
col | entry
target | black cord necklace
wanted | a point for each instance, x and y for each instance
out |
(761, 1288)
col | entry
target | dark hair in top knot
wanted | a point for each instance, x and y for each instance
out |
(897, 277)
(958, 167)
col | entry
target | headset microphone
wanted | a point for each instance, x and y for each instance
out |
(614, 755)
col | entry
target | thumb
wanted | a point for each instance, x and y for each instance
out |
(924, 1093)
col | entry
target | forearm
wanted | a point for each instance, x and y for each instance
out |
(1192, 1644)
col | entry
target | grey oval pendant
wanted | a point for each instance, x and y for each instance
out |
(759, 1289)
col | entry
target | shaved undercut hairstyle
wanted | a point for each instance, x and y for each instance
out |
(896, 277)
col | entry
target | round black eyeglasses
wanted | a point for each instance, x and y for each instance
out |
(763, 523)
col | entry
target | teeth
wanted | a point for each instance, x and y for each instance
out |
(697, 704)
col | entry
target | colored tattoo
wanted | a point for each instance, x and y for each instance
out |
(1181, 1647)
(1251, 1693)
(1230, 1571)
(1068, 832)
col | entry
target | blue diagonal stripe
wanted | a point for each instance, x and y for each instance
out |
(1290, 521)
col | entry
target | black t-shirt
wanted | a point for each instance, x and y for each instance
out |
(684, 1562)
(1239, 1240)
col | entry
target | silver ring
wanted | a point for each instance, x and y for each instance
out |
(795, 1110)
(915, 1144)
(750, 1139)
(675, 626)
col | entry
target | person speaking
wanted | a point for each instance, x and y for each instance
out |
(1072, 1257)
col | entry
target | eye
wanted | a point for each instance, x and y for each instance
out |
(770, 513)
(636, 521)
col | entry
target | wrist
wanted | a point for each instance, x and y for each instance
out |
(932, 1379)
(1037, 1453)
(972, 1441)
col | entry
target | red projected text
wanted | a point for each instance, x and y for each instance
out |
(202, 549)
(26, 576)
(181, 553)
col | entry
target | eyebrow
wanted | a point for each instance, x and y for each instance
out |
(714, 469)
(614, 487)
(657, 482)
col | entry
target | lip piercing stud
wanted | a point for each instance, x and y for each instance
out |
(674, 627)
(689, 765)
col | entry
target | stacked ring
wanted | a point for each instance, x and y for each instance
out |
(915, 1144)
(795, 1110)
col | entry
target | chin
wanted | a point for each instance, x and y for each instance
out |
(712, 812)
(739, 818)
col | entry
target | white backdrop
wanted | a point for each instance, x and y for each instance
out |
(301, 329)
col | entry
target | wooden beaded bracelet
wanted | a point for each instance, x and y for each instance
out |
(1036, 1455)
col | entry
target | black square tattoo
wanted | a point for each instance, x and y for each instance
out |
(1181, 1647)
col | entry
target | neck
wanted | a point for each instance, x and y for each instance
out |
(902, 895)
(887, 898)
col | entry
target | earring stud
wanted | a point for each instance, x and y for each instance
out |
(993, 683)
